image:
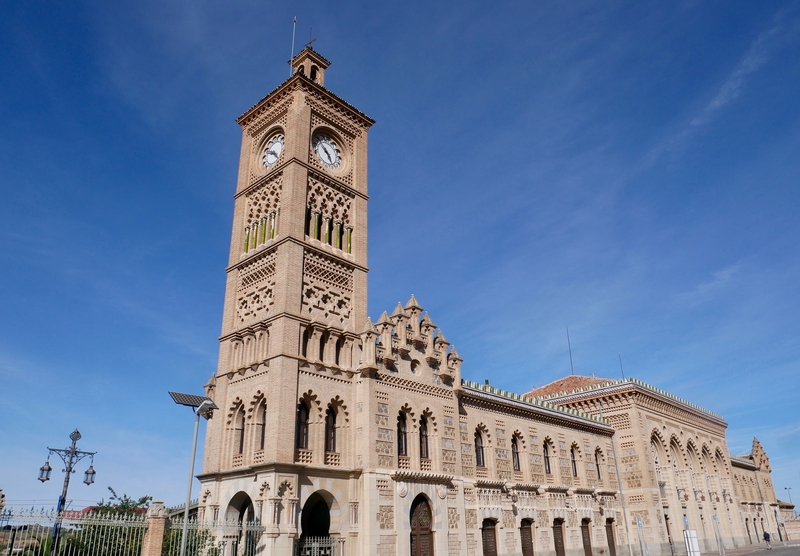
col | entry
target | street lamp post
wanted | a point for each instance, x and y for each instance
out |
(70, 456)
(204, 406)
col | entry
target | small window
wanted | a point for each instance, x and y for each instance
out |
(515, 452)
(338, 354)
(423, 438)
(314, 74)
(574, 463)
(402, 436)
(323, 339)
(302, 425)
(597, 464)
(304, 344)
(330, 430)
(479, 459)
(262, 425)
(546, 451)
(240, 431)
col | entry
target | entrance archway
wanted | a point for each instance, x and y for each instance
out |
(315, 520)
(241, 509)
(421, 518)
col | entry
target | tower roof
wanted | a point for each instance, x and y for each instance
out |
(566, 385)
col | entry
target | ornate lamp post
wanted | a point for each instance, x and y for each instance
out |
(70, 456)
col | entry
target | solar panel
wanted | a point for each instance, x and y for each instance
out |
(190, 399)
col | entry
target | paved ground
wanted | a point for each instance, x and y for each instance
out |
(792, 548)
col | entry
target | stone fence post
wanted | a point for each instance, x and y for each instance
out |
(156, 523)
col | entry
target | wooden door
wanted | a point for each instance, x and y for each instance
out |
(587, 538)
(421, 536)
(526, 534)
(558, 538)
(612, 545)
(489, 538)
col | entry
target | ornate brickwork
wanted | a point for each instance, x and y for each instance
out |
(263, 200)
(327, 290)
(385, 517)
(471, 519)
(453, 518)
(255, 291)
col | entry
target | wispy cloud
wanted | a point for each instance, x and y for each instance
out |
(717, 281)
(785, 29)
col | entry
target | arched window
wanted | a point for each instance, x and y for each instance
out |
(262, 425)
(330, 430)
(314, 74)
(515, 452)
(338, 355)
(546, 452)
(574, 462)
(240, 431)
(323, 339)
(304, 344)
(402, 435)
(597, 464)
(423, 438)
(302, 425)
(479, 459)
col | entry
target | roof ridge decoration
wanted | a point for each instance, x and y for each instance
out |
(536, 402)
(637, 382)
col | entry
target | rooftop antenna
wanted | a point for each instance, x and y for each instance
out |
(570, 352)
(620, 367)
(294, 27)
(311, 39)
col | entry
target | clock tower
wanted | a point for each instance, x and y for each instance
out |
(295, 302)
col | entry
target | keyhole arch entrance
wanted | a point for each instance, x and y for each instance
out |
(421, 520)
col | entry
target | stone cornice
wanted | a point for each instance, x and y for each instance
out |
(631, 384)
(421, 477)
(296, 82)
(305, 244)
(510, 403)
(743, 463)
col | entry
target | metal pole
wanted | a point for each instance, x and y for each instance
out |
(189, 487)
(75, 436)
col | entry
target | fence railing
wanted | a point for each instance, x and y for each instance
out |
(317, 546)
(94, 533)
(212, 538)
(32, 533)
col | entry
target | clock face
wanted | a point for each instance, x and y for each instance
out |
(327, 152)
(273, 151)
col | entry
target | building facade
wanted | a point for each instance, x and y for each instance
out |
(338, 435)
(676, 470)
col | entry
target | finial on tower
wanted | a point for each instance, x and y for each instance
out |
(308, 62)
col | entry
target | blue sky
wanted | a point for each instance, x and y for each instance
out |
(629, 169)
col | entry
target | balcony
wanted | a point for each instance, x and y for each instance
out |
(303, 455)
(425, 464)
(333, 458)
(403, 462)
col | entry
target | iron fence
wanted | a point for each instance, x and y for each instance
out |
(317, 546)
(32, 533)
(212, 538)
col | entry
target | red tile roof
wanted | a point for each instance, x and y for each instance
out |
(566, 385)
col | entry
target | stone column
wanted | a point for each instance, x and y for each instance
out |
(156, 523)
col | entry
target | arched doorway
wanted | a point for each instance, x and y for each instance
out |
(612, 544)
(241, 509)
(421, 535)
(315, 520)
(315, 524)
(558, 536)
(526, 536)
(489, 537)
(586, 535)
